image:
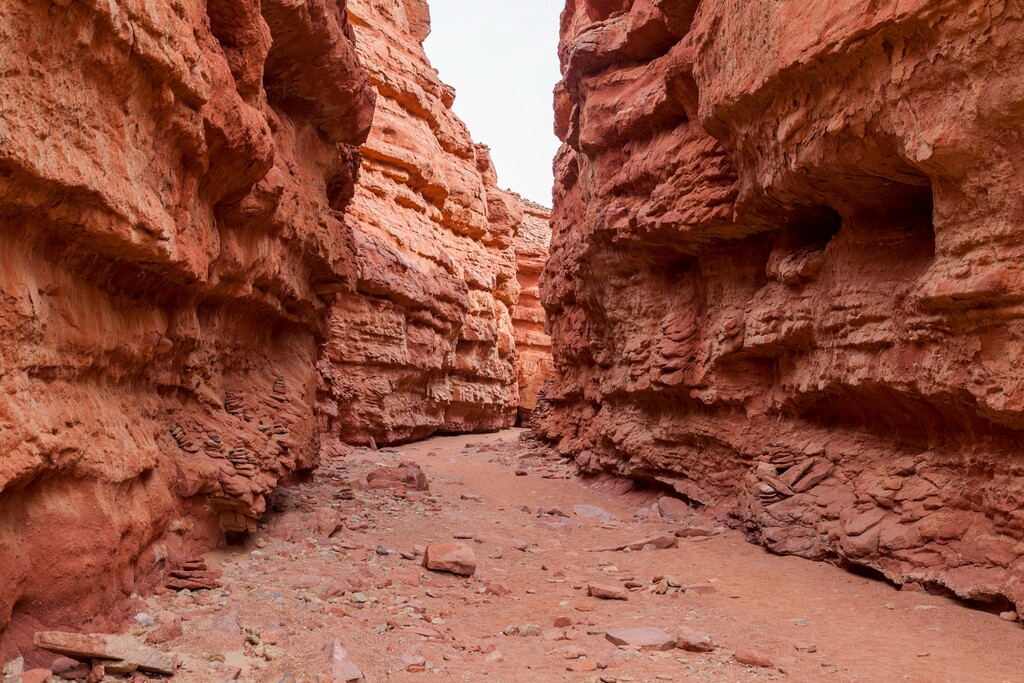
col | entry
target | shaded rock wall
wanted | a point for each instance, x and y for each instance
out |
(173, 181)
(426, 344)
(533, 345)
(786, 272)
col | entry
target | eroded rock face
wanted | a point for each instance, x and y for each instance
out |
(533, 345)
(426, 344)
(173, 181)
(786, 272)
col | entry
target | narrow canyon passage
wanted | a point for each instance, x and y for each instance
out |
(332, 562)
(253, 264)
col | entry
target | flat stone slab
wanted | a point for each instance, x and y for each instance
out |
(644, 638)
(89, 646)
(663, 542)
(594, 512)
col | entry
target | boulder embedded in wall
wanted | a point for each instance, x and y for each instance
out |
(785, 273)
(172, 179)
(425, 344)
(533, 345)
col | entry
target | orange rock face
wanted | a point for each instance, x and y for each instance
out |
(174, 178)
(426, 342)
(533, 345)
(786, 272)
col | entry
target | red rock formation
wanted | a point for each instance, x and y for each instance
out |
(173, 178)
(426, 344)
(786, 272)
(533, 345)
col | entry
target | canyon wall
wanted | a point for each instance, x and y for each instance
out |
(174, 178)
(426, 343)
(786, 273)
(533, 345)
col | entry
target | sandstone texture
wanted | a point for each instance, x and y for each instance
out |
(786, 273)
(174, 178)
(426, 344)
(533, 345)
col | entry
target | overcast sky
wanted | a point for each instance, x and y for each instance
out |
(501, 57)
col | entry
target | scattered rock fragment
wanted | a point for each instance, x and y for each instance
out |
(673, 509)
(663, 542)
(408, 475)
(607, 592)
(15, 667)
(454, 558)
(323, 521)
(168, 628)
(342, 668)
(694, 641)
(698, 527)
(644, 638)
(496, 589)
(413, 661)
(594, 512)
(35, 676)
(755, 658)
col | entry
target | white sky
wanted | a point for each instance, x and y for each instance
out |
(501, 57)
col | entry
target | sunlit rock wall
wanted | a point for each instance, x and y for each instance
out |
(426, 345)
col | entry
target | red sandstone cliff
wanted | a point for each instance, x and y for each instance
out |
(533, 345)
(223, 237)
(173, 185)
(786, 272)
(426, 343)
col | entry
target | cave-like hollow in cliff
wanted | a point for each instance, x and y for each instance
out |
(291, 389)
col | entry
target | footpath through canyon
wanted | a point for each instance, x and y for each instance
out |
(250, 260)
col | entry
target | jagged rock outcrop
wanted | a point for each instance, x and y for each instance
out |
(426, 344)
(786, 272)
(533, 345)
(173, 182)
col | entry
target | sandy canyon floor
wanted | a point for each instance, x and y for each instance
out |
(300, 584)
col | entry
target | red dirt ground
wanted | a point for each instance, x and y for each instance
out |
(743, 597)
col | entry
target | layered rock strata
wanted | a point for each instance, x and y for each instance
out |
(786, 272)
(173, 182)
(533, 345)
(426, 344)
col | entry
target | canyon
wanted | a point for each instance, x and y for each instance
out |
(252, 261)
